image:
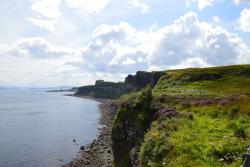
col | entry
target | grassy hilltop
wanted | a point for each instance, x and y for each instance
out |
(214, 81)
(211, 127)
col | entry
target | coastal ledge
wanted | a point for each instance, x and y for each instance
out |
(98, 152)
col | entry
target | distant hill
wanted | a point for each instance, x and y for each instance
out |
(7, 88)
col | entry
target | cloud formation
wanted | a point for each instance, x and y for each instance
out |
(189, 38)
(244, 21)
(91, 6)
(37, 48)
(138, 3)
(201, 4)
(122, 48)
(240, 1)
(47, 14)
(116, 50)
(216, 19)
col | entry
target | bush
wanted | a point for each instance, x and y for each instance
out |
(214, 114)
(234, 111)
(232, 125)
(240, 132)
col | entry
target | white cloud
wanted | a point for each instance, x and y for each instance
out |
(216, 19)
(187, 42)
(116, 50)
(48, 9)
(201, 4)
(46, 13)
(43, 23)
(92, 6)
(36, 48)
(240, 1)
(191, 62)
(244, 21)
(188, 38)
(96, 6)
(143, 6)
(35, 62)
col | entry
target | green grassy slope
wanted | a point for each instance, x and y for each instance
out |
(218, 99)
(215, 81)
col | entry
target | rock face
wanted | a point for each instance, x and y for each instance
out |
(131, 122)
(165, 113)
(111, 90)
(107, 90)
(142, 78)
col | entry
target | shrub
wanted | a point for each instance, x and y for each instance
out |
(214, 114)
(232, 125)
(234, 111)
(240, 132)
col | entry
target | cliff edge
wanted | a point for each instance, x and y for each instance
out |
(112, 90)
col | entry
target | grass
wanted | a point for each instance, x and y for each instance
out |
(216, 135)
(203, 141)
(216, 81)
(211, 130)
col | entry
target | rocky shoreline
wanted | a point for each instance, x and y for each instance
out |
(99, 152)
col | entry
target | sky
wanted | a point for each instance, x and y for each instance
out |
(47, 43)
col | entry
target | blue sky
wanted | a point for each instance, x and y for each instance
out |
(75, 42)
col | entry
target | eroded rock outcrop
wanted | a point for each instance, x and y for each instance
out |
(106, 90)
(133, 118)
(165, 113)
(112, 90)
(142, 78)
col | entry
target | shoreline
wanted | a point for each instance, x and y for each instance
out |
(98, 153)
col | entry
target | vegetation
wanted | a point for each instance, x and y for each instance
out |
(215, 81)
(206, 140)
(213, 124)
(218, 98)
(131, 122)
(135, 108)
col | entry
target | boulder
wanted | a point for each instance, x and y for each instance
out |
(82, 148)
(165, 113)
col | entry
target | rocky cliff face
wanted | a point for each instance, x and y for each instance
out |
(112, 90)
(132, 120)
(106, 90)
(142, 78)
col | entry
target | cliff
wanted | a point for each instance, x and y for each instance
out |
(133, 118)
(142, 78)
(102, 89)
(112, 90)
(192, 117)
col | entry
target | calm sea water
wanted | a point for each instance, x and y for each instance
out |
(37, 128)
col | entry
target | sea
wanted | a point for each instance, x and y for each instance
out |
(44, 129)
